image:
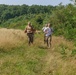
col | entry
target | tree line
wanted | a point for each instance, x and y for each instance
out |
(11, 11)
(62, 18)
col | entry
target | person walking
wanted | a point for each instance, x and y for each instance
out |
(48, 35)
(43, 29)
(30, 33)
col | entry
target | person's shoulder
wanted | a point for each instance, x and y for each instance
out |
(43, 27)
(47, 27)
(26, 26)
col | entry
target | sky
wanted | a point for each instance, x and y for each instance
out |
(35, 2)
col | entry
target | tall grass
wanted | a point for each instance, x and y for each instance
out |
(10, 38)
(18, 58)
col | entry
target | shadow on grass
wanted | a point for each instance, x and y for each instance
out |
(42, 47)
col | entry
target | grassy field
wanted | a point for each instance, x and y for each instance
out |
(18, 58)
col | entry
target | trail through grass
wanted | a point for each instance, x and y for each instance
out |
(18, 58)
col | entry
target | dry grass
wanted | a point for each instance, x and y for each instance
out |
(10, 38)
(58, 63)
(36, 59)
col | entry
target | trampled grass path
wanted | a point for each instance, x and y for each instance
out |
(18, 58)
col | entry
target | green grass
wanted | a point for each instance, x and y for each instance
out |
(37, 59)
(23, 60)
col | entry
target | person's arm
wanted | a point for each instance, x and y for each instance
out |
(25, 30)
(46, 31)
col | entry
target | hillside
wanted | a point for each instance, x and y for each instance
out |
(17, 58)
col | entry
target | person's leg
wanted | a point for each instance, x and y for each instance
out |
(47, 40)
(50, 40)
(29, 38)
(32, 38)
(44, 39)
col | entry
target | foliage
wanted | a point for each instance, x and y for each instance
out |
(18, 58)
(64, 21)
(62, 18)
(73, 52)
(12, 11)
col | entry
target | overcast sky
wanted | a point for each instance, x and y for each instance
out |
(35, 2)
